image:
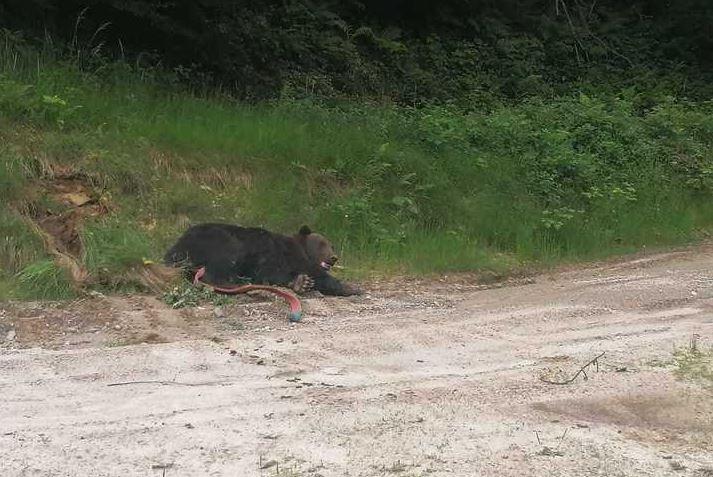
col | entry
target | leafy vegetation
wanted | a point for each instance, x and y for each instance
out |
(185, 295)
(474, 52)
(414, 149)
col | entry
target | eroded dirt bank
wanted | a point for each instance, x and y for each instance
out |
(439, 378)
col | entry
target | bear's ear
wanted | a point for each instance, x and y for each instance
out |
(304, 230)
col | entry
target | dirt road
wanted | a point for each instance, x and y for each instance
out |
(414, 379)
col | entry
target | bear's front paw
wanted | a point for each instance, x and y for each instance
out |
(302, 284)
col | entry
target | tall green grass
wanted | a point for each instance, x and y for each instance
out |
(398, 190)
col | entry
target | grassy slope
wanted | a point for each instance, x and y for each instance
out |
(421, 191)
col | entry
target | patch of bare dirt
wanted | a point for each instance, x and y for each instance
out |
(671, 419)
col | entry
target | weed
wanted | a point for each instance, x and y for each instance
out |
(183, 296)
(18, 245)
(113, 246)
(695, 363)
(44, 279)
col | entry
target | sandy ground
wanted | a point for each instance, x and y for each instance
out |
(415, 379)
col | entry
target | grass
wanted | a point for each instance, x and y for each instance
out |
(398, 190)
(44, 279)
(695, 363)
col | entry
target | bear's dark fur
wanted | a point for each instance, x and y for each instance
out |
(231, 253)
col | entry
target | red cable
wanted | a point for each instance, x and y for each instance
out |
(292, 300)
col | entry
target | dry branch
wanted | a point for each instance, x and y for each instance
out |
(582, 370)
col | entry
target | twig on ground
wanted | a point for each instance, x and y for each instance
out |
(167, 383)
(582, 370)
(562, 438)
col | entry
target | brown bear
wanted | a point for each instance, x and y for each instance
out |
(232, 254)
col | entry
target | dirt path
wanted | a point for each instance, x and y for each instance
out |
(415, 379)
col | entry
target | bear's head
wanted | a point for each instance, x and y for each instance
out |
(318, 249)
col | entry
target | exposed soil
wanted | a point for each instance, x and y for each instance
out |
(73, 200)
(427, 377)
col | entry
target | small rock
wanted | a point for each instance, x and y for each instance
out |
(548, 451)
(161, 466)
(233, 352)
(190, 426)
(76, 199)
(268, 464)
(10, 335)
(218, 312)
(117, 327)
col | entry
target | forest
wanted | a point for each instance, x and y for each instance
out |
(465, 51)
